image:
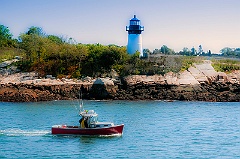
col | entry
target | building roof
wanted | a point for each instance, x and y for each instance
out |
(135, 18)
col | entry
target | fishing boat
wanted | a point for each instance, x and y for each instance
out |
(88, 125)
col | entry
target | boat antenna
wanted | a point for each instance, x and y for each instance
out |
(80, 102)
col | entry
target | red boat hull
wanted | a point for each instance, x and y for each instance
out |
(75, 130)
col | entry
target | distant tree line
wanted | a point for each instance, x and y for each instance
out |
(233, 52)
(230, 52)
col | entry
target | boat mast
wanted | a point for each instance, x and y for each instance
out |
(80, 102)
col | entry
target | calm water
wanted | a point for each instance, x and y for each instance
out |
(153, 129)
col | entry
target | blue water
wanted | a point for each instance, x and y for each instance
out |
(153, 129)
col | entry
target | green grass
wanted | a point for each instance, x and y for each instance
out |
(226, 65)
(188, 61)
(9, 53)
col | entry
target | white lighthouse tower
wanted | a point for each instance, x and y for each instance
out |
(134, 36)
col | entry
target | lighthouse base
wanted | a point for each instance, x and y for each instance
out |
(134, 44)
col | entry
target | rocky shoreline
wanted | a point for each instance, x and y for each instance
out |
(199, 83)
(216, 92)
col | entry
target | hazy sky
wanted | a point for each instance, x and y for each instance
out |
(214, 24)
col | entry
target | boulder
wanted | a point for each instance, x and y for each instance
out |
(198, 75)
(102, 89)
(171, 78)
(207, 70)
(187, 78)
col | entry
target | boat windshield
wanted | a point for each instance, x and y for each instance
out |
(93, 119)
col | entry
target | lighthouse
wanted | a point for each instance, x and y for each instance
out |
(134, 36)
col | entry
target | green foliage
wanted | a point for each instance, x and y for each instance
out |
(50, 54)
(187, 52)
(152, 65)
(166, 50)
(55, 39)
(34, 46)
(226, 65)
(8, 53)
(187, 61)
(35, 31)
(6, 37)
(5, 32)
(102, 59)
(230, 52)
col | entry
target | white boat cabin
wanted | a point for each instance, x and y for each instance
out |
(90, 120)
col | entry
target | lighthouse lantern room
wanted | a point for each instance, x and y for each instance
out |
(134, 36)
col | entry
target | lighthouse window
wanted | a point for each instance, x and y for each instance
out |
(135, 23)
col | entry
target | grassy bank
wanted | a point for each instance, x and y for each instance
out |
(8, 53)
(226, 65)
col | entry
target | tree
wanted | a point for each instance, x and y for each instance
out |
(34, 42)
(156, 51)
(108, 58)
(146, 52)
(35, 31)
(227, 51)
(5, 32)
(200, 50)
(186, 52)
(55, 39)
(166, 50)
(209, 53)
(237, 52)
(193, 51)
(5, 37)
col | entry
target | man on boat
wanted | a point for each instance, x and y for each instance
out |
(86, 122)
(82, 122)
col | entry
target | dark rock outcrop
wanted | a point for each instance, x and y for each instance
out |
(102, 89)
(216, 92)
(33, 93)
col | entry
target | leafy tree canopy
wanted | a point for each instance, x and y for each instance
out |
(55, 39)
(35, 31)
(166, 50)
(5, 32)
(5, 37)
(228, 51)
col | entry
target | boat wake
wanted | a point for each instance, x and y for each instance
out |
(19, 132)
(112, 135)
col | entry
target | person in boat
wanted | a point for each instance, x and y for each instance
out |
(86, 122)
(82, 122)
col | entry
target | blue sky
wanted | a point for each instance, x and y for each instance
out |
(214, 24)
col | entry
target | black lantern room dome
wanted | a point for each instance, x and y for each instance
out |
(135, 26)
